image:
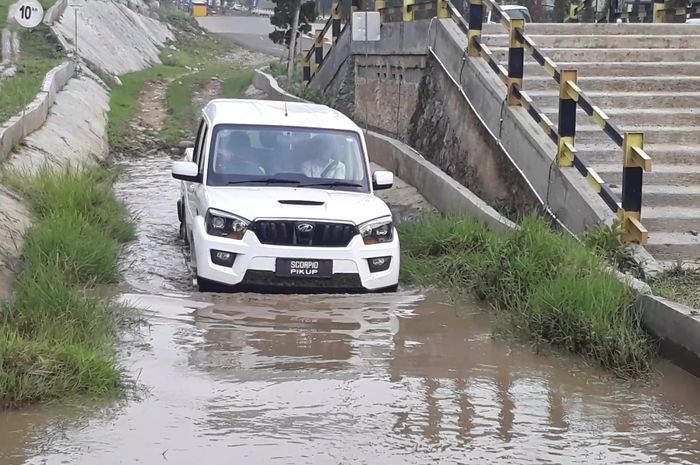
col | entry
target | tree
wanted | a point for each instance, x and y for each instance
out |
(283, 18)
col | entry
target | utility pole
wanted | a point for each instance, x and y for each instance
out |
(293, 42)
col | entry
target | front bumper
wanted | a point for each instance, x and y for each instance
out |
(254, 265)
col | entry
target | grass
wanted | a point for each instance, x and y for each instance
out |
(56, 336)
(190, 65)
(39, 53)
(679, 284)
(182, 113)
(547, 288)
(124, 102)
(608, 244)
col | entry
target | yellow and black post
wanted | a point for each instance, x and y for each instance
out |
(636, 161)
(476, 20)
(442, 11)
(567, 117)
(307, 68)
(379, 5)
(318, 48)
(516, 56)
(408, 10)
(659, 11)
(335, 26)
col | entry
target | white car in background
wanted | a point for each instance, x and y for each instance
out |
(280, 196)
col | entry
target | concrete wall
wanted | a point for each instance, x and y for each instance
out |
(55, 12)
(35, 114)
(266, 83)
(113, 37)
(447, 130)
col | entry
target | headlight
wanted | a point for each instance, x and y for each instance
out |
(377, 231)
(222, 224)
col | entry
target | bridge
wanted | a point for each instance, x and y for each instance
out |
(594, 122)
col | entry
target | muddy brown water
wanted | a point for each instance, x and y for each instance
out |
(400, 378)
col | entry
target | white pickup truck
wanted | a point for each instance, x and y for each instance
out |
(280, 196)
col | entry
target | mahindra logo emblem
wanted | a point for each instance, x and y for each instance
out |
(305, 227)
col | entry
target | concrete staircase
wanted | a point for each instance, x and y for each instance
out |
(646, 77)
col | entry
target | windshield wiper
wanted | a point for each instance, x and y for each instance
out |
(265, 181)
(332, 184)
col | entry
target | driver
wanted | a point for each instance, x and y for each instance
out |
(323, 161)
(234, 155)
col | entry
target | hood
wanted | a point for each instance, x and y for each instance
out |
(296, 203)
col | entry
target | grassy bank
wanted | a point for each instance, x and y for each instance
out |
(188, 67)
(56, 336)
(548, 288)
(39, 53)
(181, 111)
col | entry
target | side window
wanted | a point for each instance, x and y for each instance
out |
(198, 142)
(201, 147)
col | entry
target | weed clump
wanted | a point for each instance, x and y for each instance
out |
(55, 334)
(550, 290)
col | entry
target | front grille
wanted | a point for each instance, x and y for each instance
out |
(303, 233)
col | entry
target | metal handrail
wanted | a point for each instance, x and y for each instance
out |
(316, 50)
(636, 160)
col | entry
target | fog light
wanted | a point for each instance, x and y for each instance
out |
(221, 258)
(379, 264)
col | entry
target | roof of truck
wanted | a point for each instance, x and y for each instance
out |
(275, 113)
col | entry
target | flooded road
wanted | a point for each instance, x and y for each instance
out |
(377, 379)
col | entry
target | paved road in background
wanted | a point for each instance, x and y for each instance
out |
(250, 32)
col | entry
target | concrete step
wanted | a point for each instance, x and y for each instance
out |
(590, 135)
(646, 29)
(609, 100)
(663, 195)
(666, 154)
(678, 175)
(600, 41)
(625, 117)
(607, 55)
(636, 68)
(671, 219)
(620, 84)
(673, 246)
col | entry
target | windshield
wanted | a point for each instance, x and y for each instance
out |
(282, 156)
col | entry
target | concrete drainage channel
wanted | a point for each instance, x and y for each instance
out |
(676, 325)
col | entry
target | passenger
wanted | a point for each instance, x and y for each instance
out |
(234, 155)
(323, 160)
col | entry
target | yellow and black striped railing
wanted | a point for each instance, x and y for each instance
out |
(313, 60)
(571, 97)
(642, 12)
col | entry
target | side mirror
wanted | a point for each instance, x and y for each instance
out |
(382, 180)
(189, 154)
(186, 171)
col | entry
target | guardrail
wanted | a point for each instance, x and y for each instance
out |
(316, 52)
(635, 159)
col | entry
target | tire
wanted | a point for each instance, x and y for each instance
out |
(393, 288)
(206, 285)
(183, 232)
(179, 210)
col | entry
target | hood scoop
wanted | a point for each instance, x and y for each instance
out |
(302, 202)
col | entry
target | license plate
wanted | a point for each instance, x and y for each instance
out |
(303, 268)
